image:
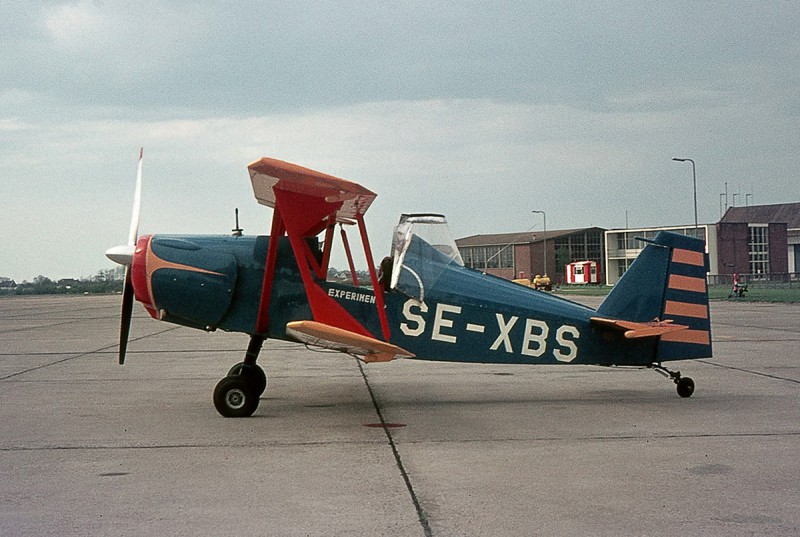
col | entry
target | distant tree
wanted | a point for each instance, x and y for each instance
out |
(103, 282)
(562, 259)
(42, 281)
(109, 275)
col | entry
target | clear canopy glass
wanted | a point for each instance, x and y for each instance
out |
(422, 247)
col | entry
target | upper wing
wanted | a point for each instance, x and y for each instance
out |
(267, 174)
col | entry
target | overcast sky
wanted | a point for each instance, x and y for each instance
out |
(483, 111)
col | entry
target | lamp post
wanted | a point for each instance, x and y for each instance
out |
(544, 241)
(694, 183)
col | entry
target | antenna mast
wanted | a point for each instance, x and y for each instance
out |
(237, 231)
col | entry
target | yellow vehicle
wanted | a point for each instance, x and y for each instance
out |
(540, 283)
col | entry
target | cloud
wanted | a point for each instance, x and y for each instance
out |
(195, 169)
(75, 25)
(471, 110)
(9, 125)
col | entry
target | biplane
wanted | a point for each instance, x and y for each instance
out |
(420, 302)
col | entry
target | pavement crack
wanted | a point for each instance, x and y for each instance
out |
(752, 372)
(421, 515)
(81, 355)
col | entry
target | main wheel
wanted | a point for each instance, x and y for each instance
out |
(253, 373)
(685, 387)
(235, 397)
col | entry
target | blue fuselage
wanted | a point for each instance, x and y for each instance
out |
(214, 282)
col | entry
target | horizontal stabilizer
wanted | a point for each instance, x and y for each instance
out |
(635, 330)
(338, 339)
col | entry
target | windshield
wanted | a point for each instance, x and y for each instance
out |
(422, 247)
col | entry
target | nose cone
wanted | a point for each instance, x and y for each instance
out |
(122, 255)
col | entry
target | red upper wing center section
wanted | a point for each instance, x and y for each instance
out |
(268, 174)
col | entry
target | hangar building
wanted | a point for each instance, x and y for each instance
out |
(514, 255)
(760, 241)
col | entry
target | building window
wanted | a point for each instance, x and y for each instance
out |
(796, 259)
(758, 247)
(507, 258)
(622, 266)
(479, 257)
(697, 233)
(586, 246)
(486, 257)
(466, 255)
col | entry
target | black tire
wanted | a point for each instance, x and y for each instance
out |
(234, 397)
(685, 387)
(253, 373)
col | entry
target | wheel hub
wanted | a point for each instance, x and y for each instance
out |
(235, 399)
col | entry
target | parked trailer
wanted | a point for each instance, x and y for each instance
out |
(582, 272)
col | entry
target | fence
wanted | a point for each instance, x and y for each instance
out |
(777, 280)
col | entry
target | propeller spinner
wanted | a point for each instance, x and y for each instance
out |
(123, 255)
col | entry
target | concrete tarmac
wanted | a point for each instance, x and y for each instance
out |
(403, 449)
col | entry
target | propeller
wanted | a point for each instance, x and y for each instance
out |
(123, 255)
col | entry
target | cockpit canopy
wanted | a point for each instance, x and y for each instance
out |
(422, 248)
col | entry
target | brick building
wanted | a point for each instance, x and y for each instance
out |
(513, 255)
(760, 240)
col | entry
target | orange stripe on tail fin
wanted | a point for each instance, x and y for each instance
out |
(696, 337)
(686, 309)
(688, 257)
(687, 283)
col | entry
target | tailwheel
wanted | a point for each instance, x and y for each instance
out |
(253, 373)
(235, 397)
(685, 385)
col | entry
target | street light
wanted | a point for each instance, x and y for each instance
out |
(544, 241)
(694, 182)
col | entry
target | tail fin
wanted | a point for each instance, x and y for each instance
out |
(667, 281)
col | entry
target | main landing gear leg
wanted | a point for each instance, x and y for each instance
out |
(685, 384)
(237, 394)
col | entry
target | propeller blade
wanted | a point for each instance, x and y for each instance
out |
(125, 318)
(124, 256)
(133, 233)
